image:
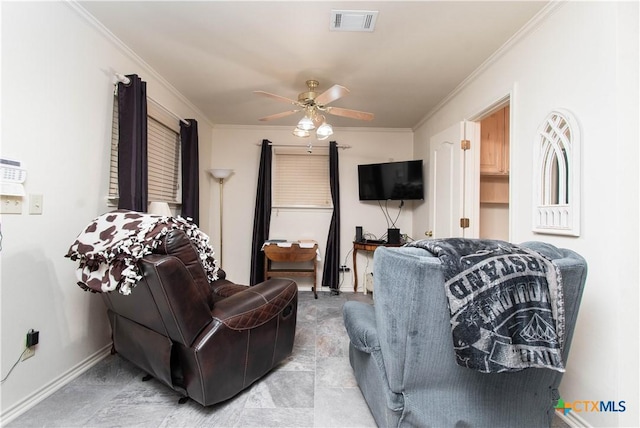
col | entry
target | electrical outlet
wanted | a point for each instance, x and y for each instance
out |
(344, 268)
(28, 353)
(33, 337)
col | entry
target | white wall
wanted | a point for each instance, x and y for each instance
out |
(235, 147)
(56, 105)
(494, 221)
(583, 57)
(57, 72)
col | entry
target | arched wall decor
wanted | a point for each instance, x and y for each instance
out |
(557, 168)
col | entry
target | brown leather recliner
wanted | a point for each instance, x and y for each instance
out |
(206, 341)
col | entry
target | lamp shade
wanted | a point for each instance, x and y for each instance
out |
(220, 172)
(160, 208)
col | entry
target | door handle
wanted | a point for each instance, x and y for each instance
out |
(429, 233)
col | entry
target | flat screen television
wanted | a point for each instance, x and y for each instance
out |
(399, 181)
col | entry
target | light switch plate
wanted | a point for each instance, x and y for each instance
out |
(11, 205)
(35, 204)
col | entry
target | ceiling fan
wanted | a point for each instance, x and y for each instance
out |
(314, 105)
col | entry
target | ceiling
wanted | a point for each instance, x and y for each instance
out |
(216, 53)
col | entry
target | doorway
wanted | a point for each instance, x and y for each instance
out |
(469, 176)
(494, 174)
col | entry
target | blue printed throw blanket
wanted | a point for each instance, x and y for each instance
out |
(506, 304)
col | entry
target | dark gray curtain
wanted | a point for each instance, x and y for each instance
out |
(132, 144)
(331, 271)
(190, 170)
(262, 215)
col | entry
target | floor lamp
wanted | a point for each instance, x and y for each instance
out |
(220, 174)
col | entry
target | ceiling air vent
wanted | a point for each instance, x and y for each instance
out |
(353, 20)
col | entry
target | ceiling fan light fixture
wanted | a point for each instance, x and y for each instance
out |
(306, 123)
(314, 105)
(302, 133)
(324, 131)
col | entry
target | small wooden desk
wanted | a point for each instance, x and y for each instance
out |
(291, 254)
(365, 246)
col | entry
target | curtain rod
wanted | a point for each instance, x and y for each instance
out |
(124, 79)
(340, 146)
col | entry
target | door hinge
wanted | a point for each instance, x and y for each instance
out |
(465, 144)
(464, 222)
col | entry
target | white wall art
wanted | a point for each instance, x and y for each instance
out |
(557, 175)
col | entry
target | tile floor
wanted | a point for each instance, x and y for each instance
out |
(315, 387)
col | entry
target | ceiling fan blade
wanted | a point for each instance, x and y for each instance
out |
(353, 114)
(279, 115)
(331, 94)
(277, 97)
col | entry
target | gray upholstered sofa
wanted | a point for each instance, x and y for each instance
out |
(402, 352)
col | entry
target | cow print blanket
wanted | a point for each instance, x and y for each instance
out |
(506, 304)
(109, 248)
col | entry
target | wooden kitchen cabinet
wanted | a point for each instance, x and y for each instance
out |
(494, 143)
(494, 189)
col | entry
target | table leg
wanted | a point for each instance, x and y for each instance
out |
(266, 267)
(315, 279)
(355, 271)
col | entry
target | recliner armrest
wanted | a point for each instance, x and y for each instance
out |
(223, 288)
(256, 305)
(360, 323)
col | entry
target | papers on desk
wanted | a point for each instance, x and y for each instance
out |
(279, 242)
(307, 243)
(303, 243)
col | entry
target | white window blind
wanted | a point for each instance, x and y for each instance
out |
(163, 157)
(301, 180)
(163, 153)
(113, 170)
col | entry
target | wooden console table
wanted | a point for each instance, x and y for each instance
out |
(365, 246)
(292, 253)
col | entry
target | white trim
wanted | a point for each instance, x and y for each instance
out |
(494, 106)
(573, 420)
(290, 127)
(40, 394)
(119, 44)
(528, 28)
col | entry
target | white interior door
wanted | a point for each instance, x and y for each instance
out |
(453, 183)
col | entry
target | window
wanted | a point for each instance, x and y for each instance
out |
(301, 179)
(163, 153)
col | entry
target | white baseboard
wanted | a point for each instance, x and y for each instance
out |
(37, 396)
(573, 420)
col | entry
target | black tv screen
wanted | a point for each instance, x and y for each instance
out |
(400, 181)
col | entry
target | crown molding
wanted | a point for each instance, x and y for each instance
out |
(532, 25)
(120, 45)
(289, 128)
